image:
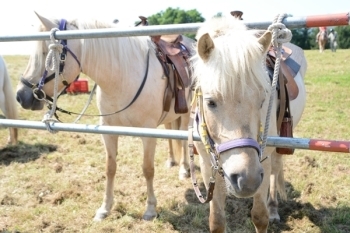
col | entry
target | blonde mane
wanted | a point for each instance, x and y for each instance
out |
(235, 58)
(114, 53)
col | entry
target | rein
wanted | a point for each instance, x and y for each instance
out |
(40, 95)
(108, 114)
(38, 92)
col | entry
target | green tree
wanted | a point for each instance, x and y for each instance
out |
(343, 37)
(305, 37)
(301, 38)
(176, 16)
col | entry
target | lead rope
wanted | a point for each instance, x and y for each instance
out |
(87, 104)
(280, 35)
(52, 64)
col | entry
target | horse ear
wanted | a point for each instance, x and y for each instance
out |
(204, 46)
(48, 24)
(265, 41)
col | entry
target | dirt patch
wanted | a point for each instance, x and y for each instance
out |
(7, 200)
(23, 153)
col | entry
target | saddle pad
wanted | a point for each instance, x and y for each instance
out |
(295, 59)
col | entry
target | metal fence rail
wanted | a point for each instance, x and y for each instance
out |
(297, 143)
(340, 19)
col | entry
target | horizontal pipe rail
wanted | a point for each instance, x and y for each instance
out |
(340, 19)
(284, 142)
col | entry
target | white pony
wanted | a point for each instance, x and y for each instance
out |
(8, 103)
(121, 67)
(232, 99)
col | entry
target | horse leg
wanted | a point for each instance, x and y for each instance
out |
(259, 212)
(13, 137)
(181, 148)
(276, 186)
(217, 217)
(171, 160)
(320, 46)
(149, 146)
(111, 148)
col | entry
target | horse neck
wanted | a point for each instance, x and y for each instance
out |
(108, 61)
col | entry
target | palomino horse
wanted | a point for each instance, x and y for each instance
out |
(232, 101)
(119, 66)
(7, 100)
(322, 40)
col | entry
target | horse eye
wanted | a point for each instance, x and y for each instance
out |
(211, 104)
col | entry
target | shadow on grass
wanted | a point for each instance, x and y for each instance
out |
(23, 153)
(323, 219)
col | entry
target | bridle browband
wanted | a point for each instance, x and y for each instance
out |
(212, 148)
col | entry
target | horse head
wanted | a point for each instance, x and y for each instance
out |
(38, 80)
(232, 98)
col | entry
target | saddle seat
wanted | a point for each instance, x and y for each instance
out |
(174, 56)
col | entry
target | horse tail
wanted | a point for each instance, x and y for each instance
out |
(10, 103)
(11, 111)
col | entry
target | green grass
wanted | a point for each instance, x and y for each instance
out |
(55, 182)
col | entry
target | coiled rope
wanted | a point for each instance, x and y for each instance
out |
(280, 35)
(52, 63)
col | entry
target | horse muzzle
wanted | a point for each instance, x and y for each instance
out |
(243, 174)
(26, 99)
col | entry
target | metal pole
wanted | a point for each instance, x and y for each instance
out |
(340, 19)
(298, 143)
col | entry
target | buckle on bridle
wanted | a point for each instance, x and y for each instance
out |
(37, 94)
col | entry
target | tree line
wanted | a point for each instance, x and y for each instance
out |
(306, 37)
(303, 37)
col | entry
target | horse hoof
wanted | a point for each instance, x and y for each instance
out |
(184, 173)
(100, 215)
(148, 217)
(184, 176)
(170, 164)
(275, 219)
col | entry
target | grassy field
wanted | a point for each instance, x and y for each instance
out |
(55, 182)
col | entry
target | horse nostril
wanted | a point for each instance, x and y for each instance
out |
(234, 179)
(18, 99)
(262, 176)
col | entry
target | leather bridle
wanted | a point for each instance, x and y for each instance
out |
(38, 91)
(40, 95)
(212, 148)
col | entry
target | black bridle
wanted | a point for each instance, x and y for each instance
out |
(38, 92)
(40, 95)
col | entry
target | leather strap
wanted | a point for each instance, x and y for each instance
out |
(168, 96)
(282, 106)
(210, 190)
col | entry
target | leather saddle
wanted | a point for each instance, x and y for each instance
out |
(286, 86)
(289, 65)
(174, 56)
(289, 68)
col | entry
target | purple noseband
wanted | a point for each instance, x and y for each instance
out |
(241, 142)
